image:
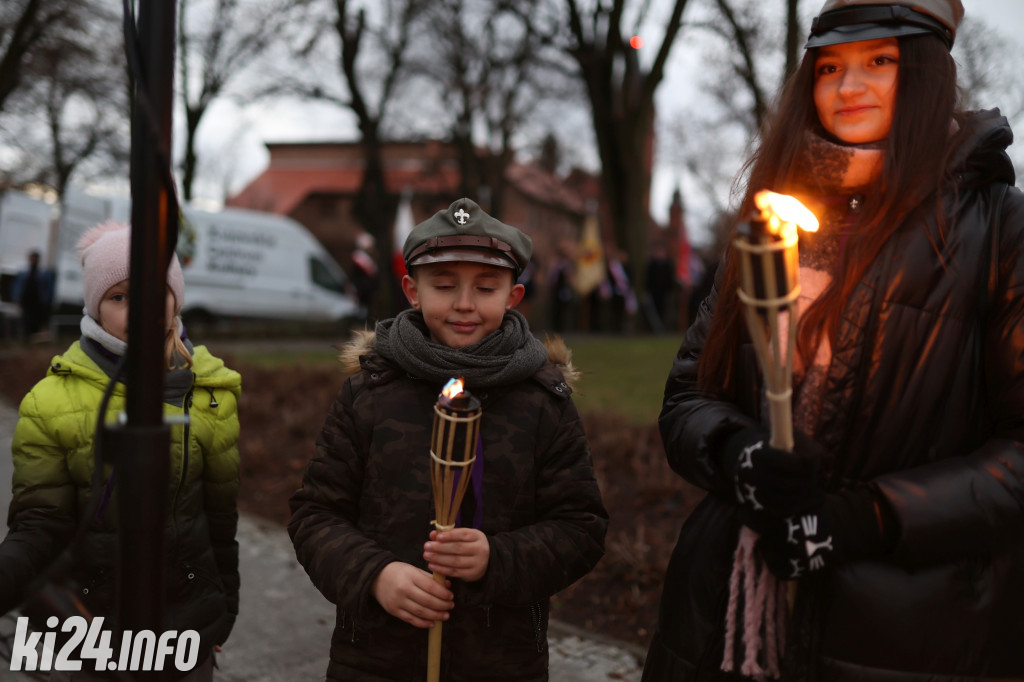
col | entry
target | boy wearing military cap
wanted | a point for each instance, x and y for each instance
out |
(532, 522)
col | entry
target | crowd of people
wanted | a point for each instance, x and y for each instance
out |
(884, 545)
(574, 296)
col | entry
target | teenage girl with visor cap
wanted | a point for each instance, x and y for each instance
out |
(893, 536)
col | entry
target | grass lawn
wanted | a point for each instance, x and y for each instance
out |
(623, 374)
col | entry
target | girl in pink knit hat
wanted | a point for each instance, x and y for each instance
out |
(53, 452)
(104, 252)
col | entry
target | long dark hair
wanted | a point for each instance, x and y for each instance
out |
(914, 172)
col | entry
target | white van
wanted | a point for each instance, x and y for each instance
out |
(241, 263)
(25, 224)
(237, 264)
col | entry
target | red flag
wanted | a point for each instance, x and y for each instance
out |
(684, 273)
(404, 223)
(684, 252)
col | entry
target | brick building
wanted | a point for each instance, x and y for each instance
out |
(317, 183)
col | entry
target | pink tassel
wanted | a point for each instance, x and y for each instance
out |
(764, 605)
(753, 608)
(732, 607)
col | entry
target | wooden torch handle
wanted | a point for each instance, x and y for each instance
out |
(434, 644)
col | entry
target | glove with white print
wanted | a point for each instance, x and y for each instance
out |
(847, 525)
(772, 481)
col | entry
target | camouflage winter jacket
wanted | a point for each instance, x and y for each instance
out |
(53, 470)
(366, 501)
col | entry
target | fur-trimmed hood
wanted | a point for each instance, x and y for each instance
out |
(559, 354)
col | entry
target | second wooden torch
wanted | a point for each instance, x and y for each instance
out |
(453, 450)
(769, 289)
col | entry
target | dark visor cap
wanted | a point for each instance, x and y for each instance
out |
(872, 22)
(464, 232)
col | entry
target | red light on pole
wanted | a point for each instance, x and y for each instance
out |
(636, 42)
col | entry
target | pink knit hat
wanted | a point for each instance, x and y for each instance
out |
(105, 255)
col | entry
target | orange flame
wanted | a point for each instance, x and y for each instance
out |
(452, 389)
(784, 213)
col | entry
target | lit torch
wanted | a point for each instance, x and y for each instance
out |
(769, 285)
(769, 288)
(453, 448)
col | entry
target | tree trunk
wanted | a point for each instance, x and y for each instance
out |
(188, 166)
(621, 96)
(23, 35)
(375, 209)
(793, 39)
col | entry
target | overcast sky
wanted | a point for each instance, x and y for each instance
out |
(248, 132)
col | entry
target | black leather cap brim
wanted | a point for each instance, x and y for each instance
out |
(857, 32)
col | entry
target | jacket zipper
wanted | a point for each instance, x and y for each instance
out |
(185, 404)
(538, 635)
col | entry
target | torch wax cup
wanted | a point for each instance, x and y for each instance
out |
(781, 278)
(454, 397)
(756, 231)
(755, 228)
(463, 402)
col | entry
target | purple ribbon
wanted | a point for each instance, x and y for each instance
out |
(478, 486)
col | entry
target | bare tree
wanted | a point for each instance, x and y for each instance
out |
(221, 43)
(987, 67)
(754, 46)
(621, 94)
(492, 64)
(72, 115)
(26, 25)
(369, 44)
(794, 38)
(741, 32)
(989, 76)
(753, 40)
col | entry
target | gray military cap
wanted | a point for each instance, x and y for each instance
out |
(464, 232)
(847, 21)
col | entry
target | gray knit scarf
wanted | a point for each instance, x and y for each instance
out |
(506, 355)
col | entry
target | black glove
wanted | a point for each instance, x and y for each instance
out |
(847, 525)
(770, 480)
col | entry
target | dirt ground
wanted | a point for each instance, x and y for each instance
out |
(282, 410)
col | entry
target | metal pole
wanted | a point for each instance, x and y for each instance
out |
(141, 446)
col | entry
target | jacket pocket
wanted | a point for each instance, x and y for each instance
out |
(196, 585)
(522, 631)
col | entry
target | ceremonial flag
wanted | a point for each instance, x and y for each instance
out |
(404, 223)
(590, 269)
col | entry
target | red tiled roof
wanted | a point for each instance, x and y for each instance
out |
(280, 190)
(545, 187)
(298, 170)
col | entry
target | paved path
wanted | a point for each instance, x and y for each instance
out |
(284, 626)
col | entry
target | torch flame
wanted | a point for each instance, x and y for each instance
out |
(784, 213)
(452, 389)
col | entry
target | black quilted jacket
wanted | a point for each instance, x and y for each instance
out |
(925, 398)
(366, 501)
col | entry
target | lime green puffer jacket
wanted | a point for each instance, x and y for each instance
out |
(53, 466)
